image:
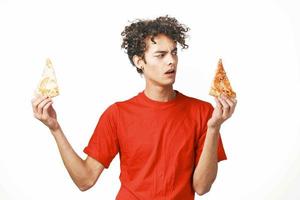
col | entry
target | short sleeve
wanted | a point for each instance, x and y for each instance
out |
(206, 115)
(103, 145)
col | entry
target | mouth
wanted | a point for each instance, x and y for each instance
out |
(169, 72)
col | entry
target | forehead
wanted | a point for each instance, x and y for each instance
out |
(162, 43)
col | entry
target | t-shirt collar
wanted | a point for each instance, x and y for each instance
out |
(160, 104)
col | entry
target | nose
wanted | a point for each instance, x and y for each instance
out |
(171, 59)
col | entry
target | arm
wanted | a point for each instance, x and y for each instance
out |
(84, 173)
(207, 167)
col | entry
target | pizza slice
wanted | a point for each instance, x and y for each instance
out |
(48, 84)
(221, 83)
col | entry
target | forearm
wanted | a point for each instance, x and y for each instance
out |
(74, 164)
(207, 167)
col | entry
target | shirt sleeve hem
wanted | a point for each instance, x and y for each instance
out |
(222, 158)
(93, 155)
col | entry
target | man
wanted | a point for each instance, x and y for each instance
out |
(169, 143)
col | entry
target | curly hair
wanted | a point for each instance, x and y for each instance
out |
(135, 34)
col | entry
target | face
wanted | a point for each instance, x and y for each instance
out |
(160, 61)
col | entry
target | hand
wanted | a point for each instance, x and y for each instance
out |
(43, 111)
(224, 109)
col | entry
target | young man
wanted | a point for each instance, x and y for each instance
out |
(169, 144)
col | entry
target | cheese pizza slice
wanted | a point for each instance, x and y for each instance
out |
(221, 83)
(48, 84)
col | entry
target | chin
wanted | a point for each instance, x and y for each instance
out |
(167, 83)
(164, 83)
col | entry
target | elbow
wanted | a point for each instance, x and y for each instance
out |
(83, 188)
(202, 190)
(203, 184)
(85, 185)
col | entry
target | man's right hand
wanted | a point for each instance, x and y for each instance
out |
(44, 111)
(84, 173)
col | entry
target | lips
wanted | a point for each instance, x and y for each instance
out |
(170, 71)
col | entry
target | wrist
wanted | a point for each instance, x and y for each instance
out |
(214, 129)
(56, 128)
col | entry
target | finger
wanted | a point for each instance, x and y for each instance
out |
(42, 104)
(234, 100)
(36, 101)
(234, 105)
(37, 116)
(218, 104)
(226, 107)
(46, 108)
(231, 104)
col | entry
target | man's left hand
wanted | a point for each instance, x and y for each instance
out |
(224, 109)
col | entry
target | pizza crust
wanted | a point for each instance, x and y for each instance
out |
(221, 84)
(48, 84)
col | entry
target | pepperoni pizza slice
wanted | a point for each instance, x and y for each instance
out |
(221, 84)
(48, 84)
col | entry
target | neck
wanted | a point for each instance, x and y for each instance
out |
(159, 93)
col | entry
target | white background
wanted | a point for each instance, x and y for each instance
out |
(259, 42)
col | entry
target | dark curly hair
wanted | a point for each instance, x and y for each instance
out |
(134, 35)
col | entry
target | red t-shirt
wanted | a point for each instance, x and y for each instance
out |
(159, 144)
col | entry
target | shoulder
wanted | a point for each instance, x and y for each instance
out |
(112, 111)
(126, 102)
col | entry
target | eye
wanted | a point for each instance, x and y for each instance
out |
(160, 55)
(174, 53)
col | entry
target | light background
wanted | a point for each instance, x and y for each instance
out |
(259, 41)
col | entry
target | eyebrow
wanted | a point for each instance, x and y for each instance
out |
(175, 49)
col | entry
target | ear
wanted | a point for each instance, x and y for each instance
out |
(138, 61)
